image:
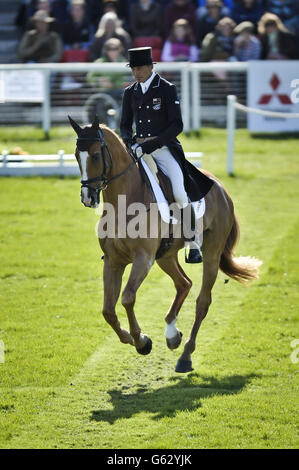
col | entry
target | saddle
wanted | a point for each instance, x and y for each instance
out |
(161, 178)
(149, 197)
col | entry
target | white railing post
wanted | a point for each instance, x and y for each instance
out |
(61, 160)
(46, 106)
(4, 158)
(185, 92)
(199, 100)
(230, 129)
(195, 101)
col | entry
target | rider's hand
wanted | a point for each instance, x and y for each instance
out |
(137, 150)
(151, 145)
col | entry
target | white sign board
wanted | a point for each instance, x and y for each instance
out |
(22, 86)
(272, 87)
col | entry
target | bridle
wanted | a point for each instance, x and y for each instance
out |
(102, 179)
(106, 155)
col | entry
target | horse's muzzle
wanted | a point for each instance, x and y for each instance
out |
(90, 197)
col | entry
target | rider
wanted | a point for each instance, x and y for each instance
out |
(153, 104)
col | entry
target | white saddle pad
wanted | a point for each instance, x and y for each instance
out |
(199, 206)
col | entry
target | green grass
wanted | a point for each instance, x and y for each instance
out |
(68, 382)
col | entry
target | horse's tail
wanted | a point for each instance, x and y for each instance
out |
(243, 269)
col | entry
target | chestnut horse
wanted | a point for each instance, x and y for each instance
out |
(107, 166)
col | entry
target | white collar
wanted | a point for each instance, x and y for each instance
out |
(145, 85)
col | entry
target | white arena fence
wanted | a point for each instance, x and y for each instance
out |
(232, 106)
(59, 164)
(64, 88)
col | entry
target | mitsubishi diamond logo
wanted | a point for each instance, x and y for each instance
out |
(275, 83)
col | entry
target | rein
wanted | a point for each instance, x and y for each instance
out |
(103, 177)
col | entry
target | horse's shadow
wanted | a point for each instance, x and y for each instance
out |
(183, 395)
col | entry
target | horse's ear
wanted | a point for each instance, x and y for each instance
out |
(96, 123)
(75, 126)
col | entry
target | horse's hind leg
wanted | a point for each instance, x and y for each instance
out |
(183, 285)
(211, 261)
(112, 285)
(141, 266)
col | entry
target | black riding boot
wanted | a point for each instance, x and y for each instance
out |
(194, 255)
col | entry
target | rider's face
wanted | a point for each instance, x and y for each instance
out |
(142, 73)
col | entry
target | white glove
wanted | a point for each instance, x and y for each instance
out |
(137, 150)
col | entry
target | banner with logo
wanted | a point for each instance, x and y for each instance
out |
(273, 86)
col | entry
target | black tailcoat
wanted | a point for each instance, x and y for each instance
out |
(157, 113)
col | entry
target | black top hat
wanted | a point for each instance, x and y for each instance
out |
(140, 56)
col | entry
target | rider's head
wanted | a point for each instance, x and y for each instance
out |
(141, 63)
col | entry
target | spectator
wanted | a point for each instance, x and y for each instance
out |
(207, 23)
(247, 10)
(95, 11)
(97, 8)
(180, 45)
(287, 11)
(226, 6)
(179, 9)
(120, 7)
(116, 6)
(145, 19)
(246, 45)
(57, 9)
(77, 32)
(109, 27)
(113, 83)
(219, 44)
(278, 43)
(40, 44)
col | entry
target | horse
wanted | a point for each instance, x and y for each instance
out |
(107, 167)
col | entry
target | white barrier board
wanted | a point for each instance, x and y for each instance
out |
(24, 86)
(273, 86)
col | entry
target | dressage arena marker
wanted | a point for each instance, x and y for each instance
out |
(232, 105)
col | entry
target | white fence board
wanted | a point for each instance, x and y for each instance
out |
(53, 165)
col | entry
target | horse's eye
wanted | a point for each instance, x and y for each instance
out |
(96, 156)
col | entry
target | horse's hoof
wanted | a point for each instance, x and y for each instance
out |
(146, 349)
(183, 366)
(173, 343)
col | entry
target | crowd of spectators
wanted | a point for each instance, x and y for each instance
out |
(187, 30)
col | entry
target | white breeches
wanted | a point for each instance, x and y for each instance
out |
(172, 169)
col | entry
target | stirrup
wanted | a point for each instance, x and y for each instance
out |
(194, 256)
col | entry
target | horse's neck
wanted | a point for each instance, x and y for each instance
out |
(129, 183)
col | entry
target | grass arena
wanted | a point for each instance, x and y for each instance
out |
(65, 379)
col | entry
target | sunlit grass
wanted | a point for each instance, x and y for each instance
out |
(68, 382)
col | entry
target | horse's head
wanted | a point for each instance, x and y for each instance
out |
(92, 156)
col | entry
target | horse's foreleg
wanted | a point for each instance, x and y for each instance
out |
(112, 285)
(141, 266)
(210, 271)
(183, 285)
